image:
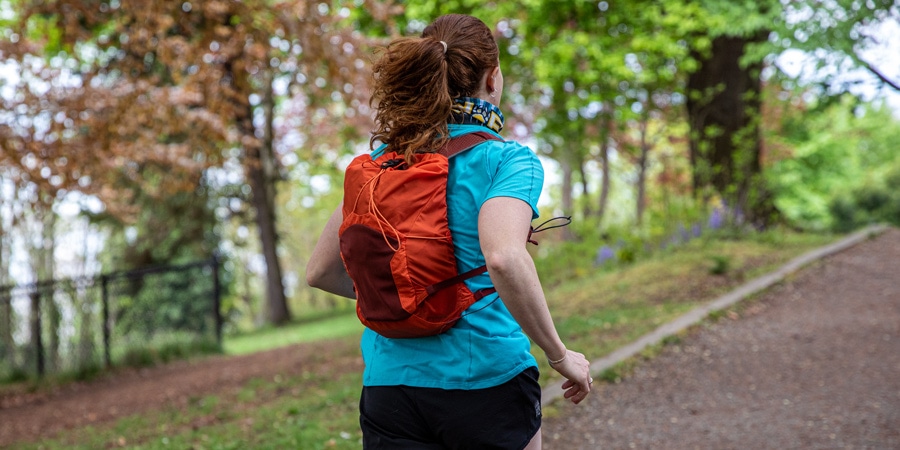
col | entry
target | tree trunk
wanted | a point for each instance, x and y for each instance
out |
(604, 167)
(567, 201)
(47, 272)
(35, 326)
(6, 321)
(6, 312)
(641, 202)
(42, 265)
(723, 106)
(585, 191)
(261, 169)
(85, 326)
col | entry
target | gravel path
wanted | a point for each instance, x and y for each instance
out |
(813, 363)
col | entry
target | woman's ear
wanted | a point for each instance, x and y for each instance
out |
(490, 83)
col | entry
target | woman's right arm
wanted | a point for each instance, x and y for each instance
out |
(503, 225)
(325, 269)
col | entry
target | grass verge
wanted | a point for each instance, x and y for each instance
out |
(339, 326)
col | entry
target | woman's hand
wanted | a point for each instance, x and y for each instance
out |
(577, 371)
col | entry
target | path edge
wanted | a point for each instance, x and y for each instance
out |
(554, 391)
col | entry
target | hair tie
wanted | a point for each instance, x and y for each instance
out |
(445, 46)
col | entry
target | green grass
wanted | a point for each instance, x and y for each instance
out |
(317, 408)
(161, 348)
(343, 325)
(304, 411)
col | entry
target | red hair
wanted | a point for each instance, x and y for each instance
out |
(416, 80)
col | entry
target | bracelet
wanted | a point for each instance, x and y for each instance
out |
(552, 362)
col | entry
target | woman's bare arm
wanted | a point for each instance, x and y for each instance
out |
(325, 269)
(503, 226)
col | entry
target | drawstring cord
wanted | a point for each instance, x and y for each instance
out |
(373, 207)
(566, 220)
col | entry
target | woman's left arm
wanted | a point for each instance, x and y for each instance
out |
(325, 269)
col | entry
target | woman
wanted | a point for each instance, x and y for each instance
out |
(476, 385)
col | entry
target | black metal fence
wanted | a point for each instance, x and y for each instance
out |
(78, 325)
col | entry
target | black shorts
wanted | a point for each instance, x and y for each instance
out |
(402, 417)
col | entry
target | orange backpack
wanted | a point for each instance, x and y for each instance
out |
(396, 245)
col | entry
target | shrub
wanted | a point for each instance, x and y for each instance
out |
(870, 203)
(165, 347)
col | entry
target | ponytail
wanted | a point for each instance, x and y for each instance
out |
(413, 96)
(417, 78)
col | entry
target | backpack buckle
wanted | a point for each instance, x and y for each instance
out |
(391, 163)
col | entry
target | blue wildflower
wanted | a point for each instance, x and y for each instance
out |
(604, 254)
(716, 219)
(685, 234)
(697, 230)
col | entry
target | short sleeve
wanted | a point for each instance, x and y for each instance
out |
(518, 173)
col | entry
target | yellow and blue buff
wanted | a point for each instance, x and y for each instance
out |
(475, 111)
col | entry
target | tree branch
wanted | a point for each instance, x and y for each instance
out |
(878, 74)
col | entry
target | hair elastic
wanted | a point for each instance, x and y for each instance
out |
(445, 46)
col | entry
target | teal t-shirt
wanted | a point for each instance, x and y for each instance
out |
(486, 347)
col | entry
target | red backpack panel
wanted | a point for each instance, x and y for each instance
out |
(396, 245)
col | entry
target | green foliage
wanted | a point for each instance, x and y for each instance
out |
(741, 18)
(559, 261)
(720, 264)
(870, 203)
(12, 374)
(324, 327)
(611, 375)
(839, 160)
(162, 348)
(838, 27)
(170, 301)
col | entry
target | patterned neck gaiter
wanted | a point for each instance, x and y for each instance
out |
(475, 111)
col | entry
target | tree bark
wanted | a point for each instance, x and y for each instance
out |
(567, 201)
(35, 326)
(723, 110)
(47, 272)
(42, 265)
(585, 191)
(641, 201)
(261, 169)
(6, 321)
(604, 167)
(6, 312)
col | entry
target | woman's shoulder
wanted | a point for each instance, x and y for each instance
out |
(498, 144)
(509, 152)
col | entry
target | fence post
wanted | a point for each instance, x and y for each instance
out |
(36, 335)
(104, 282)
(217, 300)
(6, 329)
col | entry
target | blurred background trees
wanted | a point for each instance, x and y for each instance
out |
(141, 133)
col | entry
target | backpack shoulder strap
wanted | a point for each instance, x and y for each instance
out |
(462, 143)
(454, 147)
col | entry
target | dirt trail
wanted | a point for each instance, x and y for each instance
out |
(28, 416)
(813, 363)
